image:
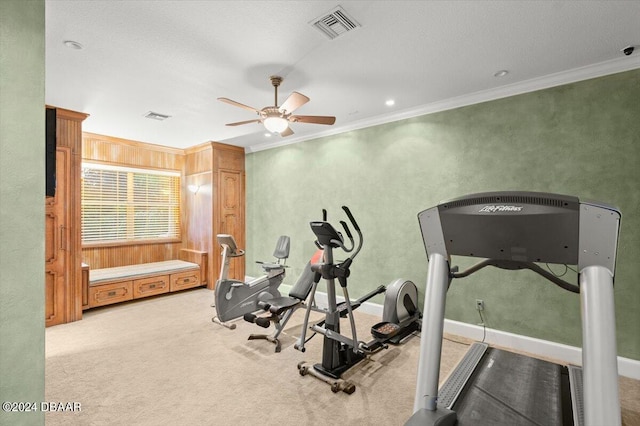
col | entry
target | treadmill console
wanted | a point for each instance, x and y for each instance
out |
(514, 226)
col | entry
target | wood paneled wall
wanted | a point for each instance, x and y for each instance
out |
(107, 149)
(197, 223)
(107, 257)
(212, 200)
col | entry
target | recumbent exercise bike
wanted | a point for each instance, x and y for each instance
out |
(234, 298)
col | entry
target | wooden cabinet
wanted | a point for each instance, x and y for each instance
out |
(56, 244)
(63, 270)
(229, 205)
(123, 283)
(231, 215)
(218, 205)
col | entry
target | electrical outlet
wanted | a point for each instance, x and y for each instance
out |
(480, 304)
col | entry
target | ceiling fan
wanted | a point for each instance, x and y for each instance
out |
(276, 118)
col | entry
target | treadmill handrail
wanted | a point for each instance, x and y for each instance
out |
(512, 265)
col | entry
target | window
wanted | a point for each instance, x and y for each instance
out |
(124, 204)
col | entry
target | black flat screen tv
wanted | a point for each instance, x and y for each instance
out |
(50, 166)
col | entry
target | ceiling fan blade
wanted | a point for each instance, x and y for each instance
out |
(238, 123)
(286, 132)
(238, 104)
(315, 119)
(293, 102)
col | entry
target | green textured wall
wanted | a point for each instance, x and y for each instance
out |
(22, 160)
(580, 139)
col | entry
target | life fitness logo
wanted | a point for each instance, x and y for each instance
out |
(494, 209)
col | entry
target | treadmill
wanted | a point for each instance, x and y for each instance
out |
(518, 230)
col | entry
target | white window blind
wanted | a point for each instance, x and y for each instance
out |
(126, 204)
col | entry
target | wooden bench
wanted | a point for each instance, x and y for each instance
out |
(122, 283)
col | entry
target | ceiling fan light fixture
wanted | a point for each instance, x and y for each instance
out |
(276, 124)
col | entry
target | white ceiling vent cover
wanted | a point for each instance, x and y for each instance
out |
(335, 23)
(156, 116)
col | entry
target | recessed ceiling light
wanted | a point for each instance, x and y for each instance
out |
(390, 102)
(73, 44)
(501, 73)
(267, 135)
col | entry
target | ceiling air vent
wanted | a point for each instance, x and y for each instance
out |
(156, 116)
(335, 23)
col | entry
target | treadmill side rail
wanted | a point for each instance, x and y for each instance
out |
(599, 359)
(431, 335)
(577, 394)
(450, 390)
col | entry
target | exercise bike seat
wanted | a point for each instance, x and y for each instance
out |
(271, 266)
(297, 295)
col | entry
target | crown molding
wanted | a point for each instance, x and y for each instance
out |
(552, 80)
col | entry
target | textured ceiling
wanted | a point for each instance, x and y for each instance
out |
(177, 57)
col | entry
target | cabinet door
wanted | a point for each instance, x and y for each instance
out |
(232, 215)
(57, 243)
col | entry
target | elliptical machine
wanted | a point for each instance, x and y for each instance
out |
(234, 298)
(401, 316)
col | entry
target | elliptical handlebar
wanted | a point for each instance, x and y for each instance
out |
(356, 227)
(353, 221)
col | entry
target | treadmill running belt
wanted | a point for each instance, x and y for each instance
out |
(512, 389)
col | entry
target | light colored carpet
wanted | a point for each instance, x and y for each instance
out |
(161, 361)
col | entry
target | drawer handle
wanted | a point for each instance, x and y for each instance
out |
(186, 280)
(152, 286)
(111, 293)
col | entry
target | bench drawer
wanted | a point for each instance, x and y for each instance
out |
(110, 293)
(150, 286)
(184, 280)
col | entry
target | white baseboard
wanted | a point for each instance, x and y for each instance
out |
(563, 353)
